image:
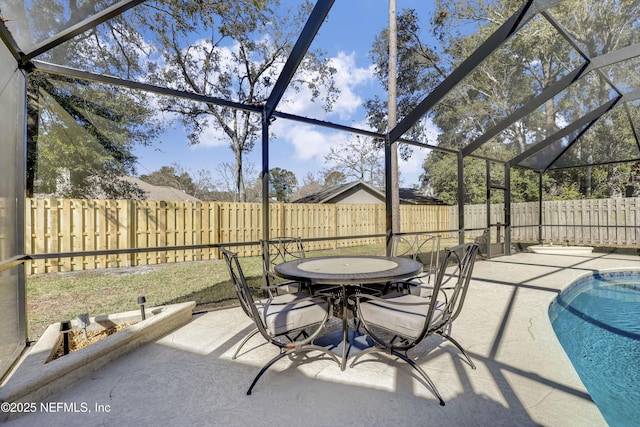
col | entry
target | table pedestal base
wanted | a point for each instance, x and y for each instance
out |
(334, 342)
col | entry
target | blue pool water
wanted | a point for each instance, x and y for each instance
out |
(597, 321)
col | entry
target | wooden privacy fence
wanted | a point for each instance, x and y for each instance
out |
(591, 221)
(82, 225)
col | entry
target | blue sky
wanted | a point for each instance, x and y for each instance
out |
(346, 37)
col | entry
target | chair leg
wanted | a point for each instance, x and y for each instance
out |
(454, 342)
(244, 341)
(307, 348)
(422, 372)
(356, 325)
(311, 347)
(267, 366)
(406, 359)
(363, 352)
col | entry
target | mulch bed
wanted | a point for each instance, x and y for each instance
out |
(77, 341)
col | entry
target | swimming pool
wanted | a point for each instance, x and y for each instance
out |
(597, 321)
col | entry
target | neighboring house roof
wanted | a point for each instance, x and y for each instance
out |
(361, 192)
(415, 196)
(162, 192)
(342, 193)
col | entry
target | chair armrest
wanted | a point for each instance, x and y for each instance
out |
(357, 297)
(275, 287)
(413, 281)
(311, 298)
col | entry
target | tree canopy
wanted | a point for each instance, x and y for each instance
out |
(419, 69)
(240, 60)
(225, 50)
(177, 177)
(527, 64)
(81, 137)
(283, 184)
(358, 159)
(80, 134)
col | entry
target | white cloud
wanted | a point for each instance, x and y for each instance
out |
(347, 78)
(213, 136)
(309, 143)
(411, 169)
(313, 143)
(431, 131)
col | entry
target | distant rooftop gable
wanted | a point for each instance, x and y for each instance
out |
(354, 192)
(415, 196)
(362, 192)
(161, 192)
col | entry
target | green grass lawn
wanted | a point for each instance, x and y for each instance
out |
(55, 297)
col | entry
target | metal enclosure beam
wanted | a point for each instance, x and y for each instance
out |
(311, 27)
(265, 175)
(507, 210)
(540, 5)
(388, 205)
(614, 57)
(488, 206)
(584, 120)
(115, 81)
(529, 107)
(501, 35)
(540, 207)
(10, 43)
(13, 113)
(298, 52)
(631, 96)
(460, 198)
(81, 27)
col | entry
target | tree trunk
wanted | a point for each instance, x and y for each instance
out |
(392, 117)
(241, 195)
(33, 120)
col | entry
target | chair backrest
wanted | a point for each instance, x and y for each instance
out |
(441, 308)
(276, 251)
(428, 251)
(402, 245)
(251, 307)
(421, 247)
(239, 283)
(462, 259)
(242, 290)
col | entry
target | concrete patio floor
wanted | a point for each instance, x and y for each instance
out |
(523, 376)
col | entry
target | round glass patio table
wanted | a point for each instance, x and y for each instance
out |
(349, 271)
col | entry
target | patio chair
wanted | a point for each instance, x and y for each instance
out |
(290, 321)
(273, 252)
(421, 247)
(398, 322)
(276, 251)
